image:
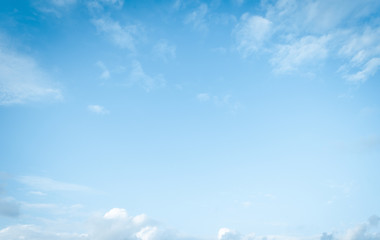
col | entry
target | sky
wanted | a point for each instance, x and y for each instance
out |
(189, 120)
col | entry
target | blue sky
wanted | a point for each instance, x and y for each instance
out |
(153, 120)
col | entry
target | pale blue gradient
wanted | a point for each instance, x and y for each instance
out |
(182, 111)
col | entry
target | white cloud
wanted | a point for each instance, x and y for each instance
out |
(228, 234)
(137, 76)
(368, 70)
(363, 52)
(164, 50)
(289, 57)
(114, 225)
(251, 32)
(121, 36)
(117, 225)
(365, 231)
(310, 31)
(97, 109)
(147, 233)
(197, 18)
(116, 213)
(22, 80)
(47, 184)
(317, 17)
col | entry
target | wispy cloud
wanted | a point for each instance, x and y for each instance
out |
(121, 36)
(291, 56)
(197, 18)
(22, 80)
(363, 53)
(105, 72)
(97, 109)
(220, 101)
(54, 7)
(295, 33)
(48, 184)
(137, 76)
(98, 5)
(251, 32)
(164, 50)
(37, 193)
(368, 70)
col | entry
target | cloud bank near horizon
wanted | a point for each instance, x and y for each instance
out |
(116, 224)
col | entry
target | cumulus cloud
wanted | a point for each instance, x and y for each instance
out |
(365, 231)
(197, 18)
(137, 76)
(116, 224)
(251, 32)
(228, 234)
(116, 213)
(22, 80)
(121, 36)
